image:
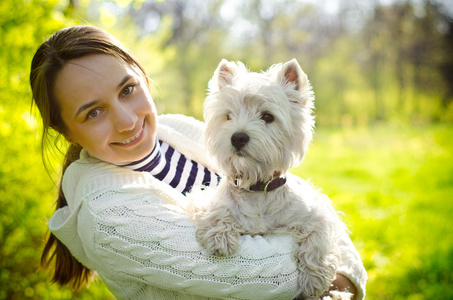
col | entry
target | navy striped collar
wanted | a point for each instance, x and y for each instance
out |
(170, 166)
(147, 163)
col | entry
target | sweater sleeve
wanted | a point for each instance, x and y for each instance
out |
(351, 265)
(140, 243)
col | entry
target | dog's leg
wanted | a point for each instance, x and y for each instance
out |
(317, 262)
(218, 232)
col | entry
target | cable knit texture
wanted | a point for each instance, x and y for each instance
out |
(128, 227)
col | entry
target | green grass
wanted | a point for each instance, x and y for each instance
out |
(395, 186)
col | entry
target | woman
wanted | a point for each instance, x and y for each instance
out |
(125, 174)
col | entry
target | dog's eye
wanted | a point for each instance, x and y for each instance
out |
(268, 118)
(228, 117)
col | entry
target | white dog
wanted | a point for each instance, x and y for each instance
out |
(259, 126)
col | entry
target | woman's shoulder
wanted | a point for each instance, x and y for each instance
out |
(86, 167)
(88, 174)
(186, 135)
(171, 118)
(170, 125)
(178, 120)
(88, 177)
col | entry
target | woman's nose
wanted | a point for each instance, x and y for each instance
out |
(124, 118)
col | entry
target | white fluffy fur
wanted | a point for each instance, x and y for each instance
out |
(237, 101)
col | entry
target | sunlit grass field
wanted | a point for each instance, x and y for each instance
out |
(394, 184)
(395, 187)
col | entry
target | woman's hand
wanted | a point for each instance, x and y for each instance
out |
(343, 284)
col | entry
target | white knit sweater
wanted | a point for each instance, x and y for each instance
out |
(125, 225)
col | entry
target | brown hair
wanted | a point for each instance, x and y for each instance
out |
(61, 47)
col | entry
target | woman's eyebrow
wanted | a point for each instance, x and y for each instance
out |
(125, 79)
(86, 106)
(94, 102)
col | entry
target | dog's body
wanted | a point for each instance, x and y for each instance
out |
(259, 126)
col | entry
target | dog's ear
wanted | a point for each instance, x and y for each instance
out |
(223, 75)
(292, 73)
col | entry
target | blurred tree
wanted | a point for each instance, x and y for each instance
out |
(276, 31)
(426, 50)
(376, 38)
(446, 62)
(192, 34)
(397, 45)
(404, 42)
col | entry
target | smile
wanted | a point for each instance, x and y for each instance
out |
(128, 141)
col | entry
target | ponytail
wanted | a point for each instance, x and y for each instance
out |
(50, 58)
(67, 270)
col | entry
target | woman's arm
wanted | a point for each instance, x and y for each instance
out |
(351, 274)
(141, 243)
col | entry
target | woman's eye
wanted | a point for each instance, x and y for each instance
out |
(268, 118)
(93, 113)
(127, 90)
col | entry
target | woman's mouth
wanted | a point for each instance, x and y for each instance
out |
(132, 139)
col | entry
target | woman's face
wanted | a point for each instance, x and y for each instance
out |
(107, 108)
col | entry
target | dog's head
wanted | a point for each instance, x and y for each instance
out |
(258, 124)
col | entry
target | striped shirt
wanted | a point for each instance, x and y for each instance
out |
(173, 168)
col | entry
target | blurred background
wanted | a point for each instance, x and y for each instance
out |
(382, 72)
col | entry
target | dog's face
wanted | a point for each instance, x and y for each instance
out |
(258, 124)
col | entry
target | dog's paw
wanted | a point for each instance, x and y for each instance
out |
(311, 285)
(219, 242)
(317, 268)
(224, 244)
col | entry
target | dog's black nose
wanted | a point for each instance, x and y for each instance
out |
(239, 140)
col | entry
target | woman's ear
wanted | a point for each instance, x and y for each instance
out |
(69, 139)
(66, 136)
